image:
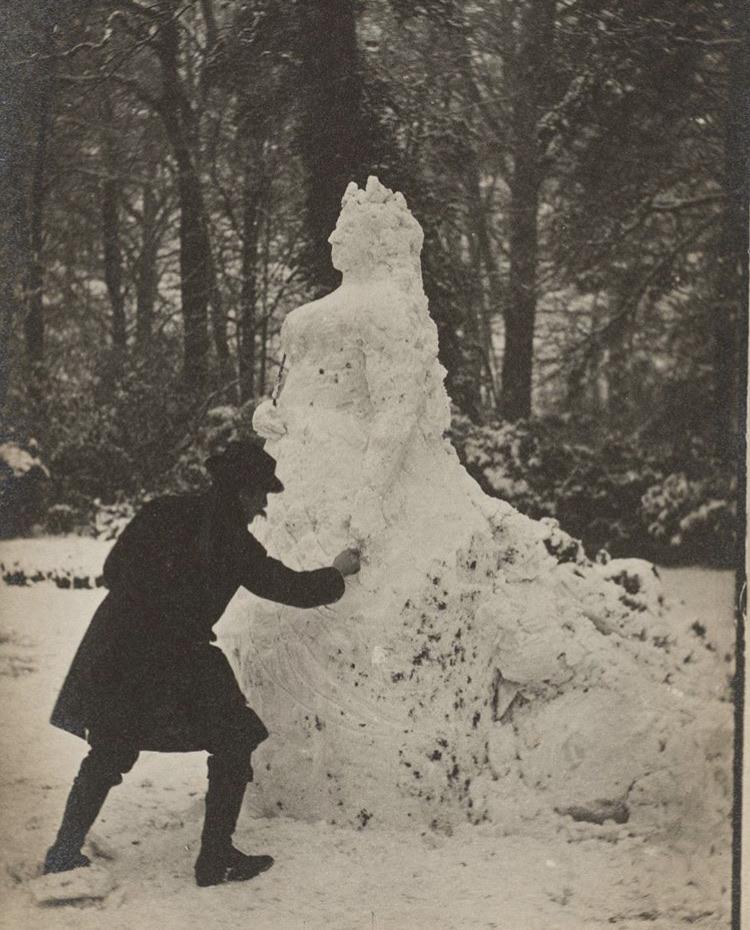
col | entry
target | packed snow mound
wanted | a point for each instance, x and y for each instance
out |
(479, 668)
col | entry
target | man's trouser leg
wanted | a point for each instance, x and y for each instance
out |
(101, 770)
(229, 772)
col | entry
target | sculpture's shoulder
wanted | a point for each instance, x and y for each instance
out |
(313, 313)
(375, 312)
(319, 326)
(303, 312)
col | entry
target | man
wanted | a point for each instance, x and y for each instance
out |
(146, 676)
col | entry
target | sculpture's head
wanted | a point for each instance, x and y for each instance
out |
(375, 232)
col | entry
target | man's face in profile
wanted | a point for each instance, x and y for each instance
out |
(253, 502)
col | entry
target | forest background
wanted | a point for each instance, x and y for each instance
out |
(173, 169)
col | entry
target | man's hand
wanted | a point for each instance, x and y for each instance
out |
(347, 562)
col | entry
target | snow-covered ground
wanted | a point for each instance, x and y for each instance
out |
(324, 876)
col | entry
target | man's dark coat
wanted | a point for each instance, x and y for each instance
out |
(146, 671)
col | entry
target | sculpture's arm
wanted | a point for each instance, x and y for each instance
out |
(268, 420)
(395, 372)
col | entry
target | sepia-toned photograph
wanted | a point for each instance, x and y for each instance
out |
(372, 463)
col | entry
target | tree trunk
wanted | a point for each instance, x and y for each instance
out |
(146, 267)
(146, 270)
(19, 101)
(195, 276)
(486, 258)
(227, 380)
(195, 254)
(529, 81)
(457, 26)
(334, 136)
(474, 330)
(263, 355)
(265, 235)
(251, 200)
(110, 204)
(731, 267)
(34, 321)
(520, 313)
(113, 261)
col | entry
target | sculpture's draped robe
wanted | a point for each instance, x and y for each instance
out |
(466, 674)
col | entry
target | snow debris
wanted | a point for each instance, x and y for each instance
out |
(78, 886)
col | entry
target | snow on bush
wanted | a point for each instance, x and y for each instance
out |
(684, 515)
(616, 497)
(23, 480)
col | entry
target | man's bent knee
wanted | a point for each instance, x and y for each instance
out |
(230, 755)
(231, 745)
(232, 761)
(108, 762)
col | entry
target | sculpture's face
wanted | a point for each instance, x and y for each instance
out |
(350, 242)
(338, 251)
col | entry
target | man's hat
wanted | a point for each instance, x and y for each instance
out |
(244, 464)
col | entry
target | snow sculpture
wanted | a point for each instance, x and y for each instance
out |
(479, 668)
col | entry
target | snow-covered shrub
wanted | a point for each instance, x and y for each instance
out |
(594, 493)
(99, 485)
(62, 518)
(111, 519)
(600, 500)
(220, 425)
(515, 461)
(615, 496)
(23, 485)
(93, 518)
(693, 516)
(90, 465)
(563, 546)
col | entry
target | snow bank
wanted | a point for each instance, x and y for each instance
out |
(69, 562)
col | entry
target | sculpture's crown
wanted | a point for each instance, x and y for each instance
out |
(374, 192)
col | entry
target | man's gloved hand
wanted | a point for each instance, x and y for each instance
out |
(347, 562)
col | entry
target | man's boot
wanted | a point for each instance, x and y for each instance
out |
(101, 770)
(218, 861)
(84, 803)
